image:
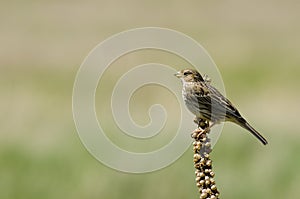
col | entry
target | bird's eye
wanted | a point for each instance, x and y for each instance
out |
(187, 73)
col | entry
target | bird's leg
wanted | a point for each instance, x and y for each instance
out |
(203, 126)
(210, 125)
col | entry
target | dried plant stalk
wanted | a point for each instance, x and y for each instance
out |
(203, 164)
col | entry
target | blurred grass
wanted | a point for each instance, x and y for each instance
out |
(255, 44)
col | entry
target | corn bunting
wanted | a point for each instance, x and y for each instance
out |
(208, 104)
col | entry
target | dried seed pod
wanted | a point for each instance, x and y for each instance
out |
(209, 162)
(213, 187)
(202, 174)
(197, 166)
(202, 161)
(198, 185)
(202, 182)
(203, 195)
(197, 147)
(203, 164)
(207, 182)
(200, 189)
(208, 191)
(197, 156)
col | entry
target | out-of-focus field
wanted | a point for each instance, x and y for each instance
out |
(255, 44)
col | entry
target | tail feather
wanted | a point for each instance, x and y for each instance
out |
(247, 126)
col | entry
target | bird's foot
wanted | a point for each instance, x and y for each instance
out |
(200, 133)
(203, 124)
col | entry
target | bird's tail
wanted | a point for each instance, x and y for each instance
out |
(247, 126)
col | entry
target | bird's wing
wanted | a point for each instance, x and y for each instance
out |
(211, 98)
(231, 111)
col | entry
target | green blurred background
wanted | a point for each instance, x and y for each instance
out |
(255, 44)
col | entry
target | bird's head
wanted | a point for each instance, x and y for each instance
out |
(189, 75)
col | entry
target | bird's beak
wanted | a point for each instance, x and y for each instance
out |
(178, 74)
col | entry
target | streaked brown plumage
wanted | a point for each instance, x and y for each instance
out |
(208, 104)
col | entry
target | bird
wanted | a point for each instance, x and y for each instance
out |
(208, 104)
